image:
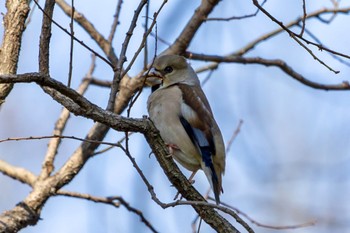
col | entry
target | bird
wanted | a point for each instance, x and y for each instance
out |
(181, 112)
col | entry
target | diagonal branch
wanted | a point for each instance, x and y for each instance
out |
(118, 71)
(104, 44)
(315, 14)
(186, 36)
(30, 208)
(299, 38)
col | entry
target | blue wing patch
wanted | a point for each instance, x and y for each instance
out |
(206, 150)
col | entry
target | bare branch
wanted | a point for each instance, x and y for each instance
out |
(224, 209)
(118, 74)
(61, 137)
(237, 17)
(234, 135)
(186, 36)
(296, 37)
(76, 39)
(302, 225)
(14, 26)
(17, 173)
(48, 165)
(277, 63)
(92, 31)
(109, 201)
(335, 57)
(72, 167)
(98, 82)
(303, 20)
(45, 36)
(71, 26)
(115, 21)
(144, 38)
(295, 22)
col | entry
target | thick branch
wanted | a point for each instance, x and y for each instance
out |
(14, 24)
(184, 39)
(45, 37)
(81, 106)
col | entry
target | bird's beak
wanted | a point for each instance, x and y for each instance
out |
(153, 77)
(154, 73)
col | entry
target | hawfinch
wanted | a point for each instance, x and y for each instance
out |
(180, 111)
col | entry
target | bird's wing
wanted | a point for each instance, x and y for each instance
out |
(197, 120)
(196, 111)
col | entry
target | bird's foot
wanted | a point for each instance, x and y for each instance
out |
(171, 148)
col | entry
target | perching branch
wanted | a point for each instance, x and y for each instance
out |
(81, 106)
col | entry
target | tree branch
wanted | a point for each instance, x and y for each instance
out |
(104, 44)
(14, 25)
(266, 62)
(81, 106)
(17, 173)
(109, 201)
(186, 36)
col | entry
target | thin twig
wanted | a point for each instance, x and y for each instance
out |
(303, 20)
(206, 79)
(30, 16)
(155, 35)
(59, 136)
(237, 17)
(71, 26)
(109, 201)
(296, 37)
(145, 55)
(100, 83)
(145, 35)
(228, 210)
(48, 164)
(302, 225)
(250, 46)
(111, 147)
(76, 39)
(314, 37)
(142, 45)
(118, 71)
(115, 21)
(234, 135)
(295, 22)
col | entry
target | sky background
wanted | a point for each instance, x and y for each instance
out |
(289, 164)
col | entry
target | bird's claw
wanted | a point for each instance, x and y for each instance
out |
(171, 147)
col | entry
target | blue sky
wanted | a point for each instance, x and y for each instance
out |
(289, 164)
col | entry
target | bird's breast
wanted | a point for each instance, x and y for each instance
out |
(164, 108)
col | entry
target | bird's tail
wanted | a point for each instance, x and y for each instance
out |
(213, 179)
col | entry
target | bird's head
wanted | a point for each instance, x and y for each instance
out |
(172, 69)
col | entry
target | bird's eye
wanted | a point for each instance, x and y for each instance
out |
(168, 69)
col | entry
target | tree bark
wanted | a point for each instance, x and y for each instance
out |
(14, 24)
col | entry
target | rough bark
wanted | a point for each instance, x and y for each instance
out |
(14, 24)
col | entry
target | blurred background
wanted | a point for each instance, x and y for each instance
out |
(288, 165)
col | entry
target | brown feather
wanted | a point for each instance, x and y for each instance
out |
(194, 97)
